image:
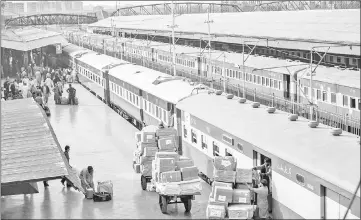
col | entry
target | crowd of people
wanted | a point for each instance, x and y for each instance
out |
(39, 83)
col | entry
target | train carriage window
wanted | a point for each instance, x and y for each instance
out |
(345, 100)
(354, 61)
(300, 179)
(279, 85)
(227, 153)
(184, 131)
(240, 147)
(193, 136)
(352, 102)
(164, 116)
(137, 100)
(333, 98)
(204, 142)
(145, 105)
(150, 107)
(271, 83)
(331, 58)
(160, 114)
(338, 59)
(153, 109)
(324, 96)
(215, 149)
(305, 91)
(254, 78)
(263, 81)
(227, 72)
(318, 94)
(359, 104)
(156, 111)
(267, 81)
(258, 80)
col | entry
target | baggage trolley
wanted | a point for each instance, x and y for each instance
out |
(164, 200)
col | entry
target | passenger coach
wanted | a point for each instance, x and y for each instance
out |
(314, 174)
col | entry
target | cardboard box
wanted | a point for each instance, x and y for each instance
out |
(165, 164)
(224, 176)
(216, 212)
(144, 159)
(170, 177)
(189, 173)
(165, 132)
(137, 168)
(215, 183)
(242, 186)
(211, 201)
(241, 196)
(225, 163)
(184, 158)
(150, 151)
(148, 136)
(142, 145)
(167, 143)
(138, 136)
(238, 211)
(167, 155)
(223, 194)
(146, 169)
(183, 163)
(243, 175)
(190, 187)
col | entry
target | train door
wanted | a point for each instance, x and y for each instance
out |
(286, 86)
(333, 205)
(347, 61)
(179, 129)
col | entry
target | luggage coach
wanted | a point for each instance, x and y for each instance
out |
(314, 173)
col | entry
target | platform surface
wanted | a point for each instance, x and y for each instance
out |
(99, 137)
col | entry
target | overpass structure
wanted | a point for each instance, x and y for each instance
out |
(50, 19)
(231, 6)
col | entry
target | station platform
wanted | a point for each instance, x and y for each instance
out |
(99, 137)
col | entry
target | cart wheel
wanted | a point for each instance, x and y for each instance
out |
(188, 204)
(143, 182)
(163, 204)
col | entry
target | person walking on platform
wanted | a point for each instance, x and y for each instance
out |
(71, 97)
(86, 178)
(46, 94)
(58, 93)
(66, 153)
(262, 203)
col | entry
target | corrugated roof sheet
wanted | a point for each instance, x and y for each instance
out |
(335, 159)
(29, 148)
(312, 25)
(25, 39)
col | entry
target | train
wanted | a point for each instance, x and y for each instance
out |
(283, 83)
(314, 173)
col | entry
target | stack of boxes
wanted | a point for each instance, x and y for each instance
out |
(230, 195)
(156, 157)
(145, 153)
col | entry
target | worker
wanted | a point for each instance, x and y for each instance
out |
(71, 97)
(266, 173)
(262, 203)
(66, 153)
(86, 178)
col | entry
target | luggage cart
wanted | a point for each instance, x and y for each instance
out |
(164, 200)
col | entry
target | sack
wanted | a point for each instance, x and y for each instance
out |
(64, 101)
(106, 186)
(102, 197)
(89, 193)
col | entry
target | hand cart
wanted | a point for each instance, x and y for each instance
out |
(164, 200)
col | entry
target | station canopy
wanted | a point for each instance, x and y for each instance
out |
(29, 38)
(30, 151)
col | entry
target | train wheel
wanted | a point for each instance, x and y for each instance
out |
(143, 182)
